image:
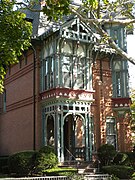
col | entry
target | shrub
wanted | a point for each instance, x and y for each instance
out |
(121, 159)
(106, 154)
(133, 176)
(122, 172)
(44, 159)
(19, 163)
(131, 156)
(47, 149)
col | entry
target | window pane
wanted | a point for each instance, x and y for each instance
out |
(118, 84)
(116, 36)
(66, 71)
(66, 79)
(111, 140)
(78, 73)
(110, 128)
(111, 131)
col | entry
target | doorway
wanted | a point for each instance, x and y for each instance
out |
(68, 136)
(74, 137)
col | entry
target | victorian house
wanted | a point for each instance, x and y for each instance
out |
(67, 91)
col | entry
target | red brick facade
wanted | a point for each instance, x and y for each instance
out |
(20, 125)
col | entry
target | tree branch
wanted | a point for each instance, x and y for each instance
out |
(28, 7)
(124, 22)
(114, 45)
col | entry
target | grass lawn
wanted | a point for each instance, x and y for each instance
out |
(52, 172)
(60, 171)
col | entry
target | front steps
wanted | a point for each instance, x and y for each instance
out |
(87, 170)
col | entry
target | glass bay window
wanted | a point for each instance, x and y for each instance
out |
(70, 68)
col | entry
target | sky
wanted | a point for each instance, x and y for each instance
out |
(131, 52)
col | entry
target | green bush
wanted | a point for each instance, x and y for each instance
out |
(106, 154)
(47, 149)
(122, 172)
(121, 159)
(133, 176)
(131, 156)
(20, 163)
(44, 159)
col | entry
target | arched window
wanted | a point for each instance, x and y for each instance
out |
(80, 51)
(67, 48)
(79, 68)
(50, 131)
(120, 78)
(66, 62)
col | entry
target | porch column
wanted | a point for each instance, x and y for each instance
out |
(90, 136)
(61, 137)
(86, 138)
(44, 141)
(57, 135)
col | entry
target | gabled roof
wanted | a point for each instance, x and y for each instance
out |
(69, 27)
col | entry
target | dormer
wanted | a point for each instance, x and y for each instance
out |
(118, 33)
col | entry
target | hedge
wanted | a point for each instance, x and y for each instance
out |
(20, 163)
(44, 159)
(122, 172)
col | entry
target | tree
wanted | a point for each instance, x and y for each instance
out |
(15, 35)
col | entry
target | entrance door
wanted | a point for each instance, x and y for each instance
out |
(68, 137)
(74, 140)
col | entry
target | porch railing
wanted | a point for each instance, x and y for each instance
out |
(97, 177)
(70, 156)
(79, 152)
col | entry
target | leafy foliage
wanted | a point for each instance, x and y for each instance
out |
(20, 163)
(55, 9)
(121, 159)
(15, 34)
(131, 157)
(106, 154)
(122, 172)
(47, 149)
(44, 159)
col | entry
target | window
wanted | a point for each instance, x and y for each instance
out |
(111, 131)
(4, 101)
(73, 67)
(116, 36)
(66, 71)
(69, 69)
(49, 73)
(118, 84)
(78, 72)
(120, 78)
